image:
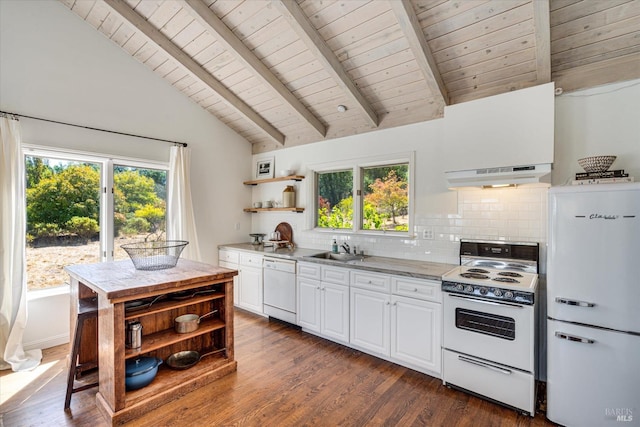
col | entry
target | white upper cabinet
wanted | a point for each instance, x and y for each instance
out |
(510, 129)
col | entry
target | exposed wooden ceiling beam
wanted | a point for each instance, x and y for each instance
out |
(214, 25)
(317, 45)
(410, 26)
(163, 43)
(542, 31)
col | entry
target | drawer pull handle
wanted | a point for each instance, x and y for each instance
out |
(485, 365)
(574, 338)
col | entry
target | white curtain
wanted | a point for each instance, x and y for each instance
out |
(13, 272)
(180, 218)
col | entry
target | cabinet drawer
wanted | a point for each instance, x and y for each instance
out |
(309, 269)
(429, 290)
(250, 260)
(373, 281)
(339, 276)
(228, 256)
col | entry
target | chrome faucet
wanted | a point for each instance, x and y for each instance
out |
(346, 247)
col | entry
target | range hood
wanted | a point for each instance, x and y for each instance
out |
(500, 176)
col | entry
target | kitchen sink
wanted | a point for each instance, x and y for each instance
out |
(339, 257)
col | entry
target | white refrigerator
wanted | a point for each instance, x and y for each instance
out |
(593, 305)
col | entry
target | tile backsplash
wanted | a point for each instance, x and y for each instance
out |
(511, 214)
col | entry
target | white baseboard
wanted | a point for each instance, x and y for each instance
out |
(47, 342)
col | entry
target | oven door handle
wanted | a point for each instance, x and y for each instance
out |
(482, 301)
(484, 365)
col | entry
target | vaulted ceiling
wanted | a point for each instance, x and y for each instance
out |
(276, 71)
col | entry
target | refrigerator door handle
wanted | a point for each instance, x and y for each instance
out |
(574, 338)
(574, 302)
(484, 365)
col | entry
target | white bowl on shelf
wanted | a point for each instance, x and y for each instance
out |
(596, 163)
(286, 172)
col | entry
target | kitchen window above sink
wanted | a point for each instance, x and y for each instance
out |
(370, 195)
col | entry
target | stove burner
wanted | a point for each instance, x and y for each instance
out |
(477, 270)
(509, 274)
(474, 276)
(506, 280)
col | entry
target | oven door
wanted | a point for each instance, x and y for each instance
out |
(501, 332)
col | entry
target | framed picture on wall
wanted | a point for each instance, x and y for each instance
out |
(265, 168)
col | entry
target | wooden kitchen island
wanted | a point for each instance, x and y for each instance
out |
(155, 299)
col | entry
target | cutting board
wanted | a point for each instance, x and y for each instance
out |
(286, 232)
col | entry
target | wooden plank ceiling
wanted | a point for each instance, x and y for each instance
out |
(276, 71)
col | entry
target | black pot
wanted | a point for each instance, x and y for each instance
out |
(140, 372)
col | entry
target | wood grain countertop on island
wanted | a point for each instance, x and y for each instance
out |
(113, 285)
(120, 281)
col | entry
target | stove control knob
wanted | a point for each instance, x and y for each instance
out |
(483, 291)
(468, 288)
(508, 294)
(497, 292)
(459, 287)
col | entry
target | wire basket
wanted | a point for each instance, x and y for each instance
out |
(155, 255)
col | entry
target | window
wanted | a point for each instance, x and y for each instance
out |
(73, 219)
(385, 201)
(382, 191)
(335, 199)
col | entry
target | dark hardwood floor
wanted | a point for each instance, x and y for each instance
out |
(285, 377)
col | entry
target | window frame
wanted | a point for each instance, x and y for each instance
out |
(107, 163)
(357, 165)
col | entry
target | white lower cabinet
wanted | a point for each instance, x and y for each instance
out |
(250, 289)
(230, 259)
(416, 333)
(247, 285)
(334, 309)
(324, 308)
(405, 330)
(370, 320)
(236, 291)
(309, 304)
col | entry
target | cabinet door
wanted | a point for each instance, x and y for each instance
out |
(335, 311)
(416, 332)
(309, 304)
(250, 285)
(370, 320)
(236, 291)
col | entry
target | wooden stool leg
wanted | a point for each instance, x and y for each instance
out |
(73, 362)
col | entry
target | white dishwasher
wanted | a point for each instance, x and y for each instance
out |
(279, 281)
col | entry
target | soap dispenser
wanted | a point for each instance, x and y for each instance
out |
(334, 247)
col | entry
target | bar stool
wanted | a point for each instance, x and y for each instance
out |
(87, 309)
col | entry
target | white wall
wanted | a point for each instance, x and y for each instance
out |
(54, 65)
(598, 121)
